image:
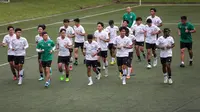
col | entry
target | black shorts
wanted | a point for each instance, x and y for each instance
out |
(151, 46)
(139, 43)
(77, 45)
(103, 54)
(46, 64)
(110, 46)
(166, 60)
(64, 59)
(122, 61)
(39, 56)
(11, 58)
(91, 63)
(186, 45)
(19, 60)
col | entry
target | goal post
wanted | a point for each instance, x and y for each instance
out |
(4, 1)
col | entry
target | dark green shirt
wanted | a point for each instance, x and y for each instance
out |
(131, 17)
(185, 37)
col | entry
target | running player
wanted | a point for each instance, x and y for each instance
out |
(138, 30)
(79, 39)
(102, 38)
(112, 31)
(19, 46)
(91, 49)
(166, 43)
(46, 47)
(155, 19)
(185, 30)
(64, 45)
(6, 41)
(125, 24)
(122, 44)
(150, 32)
(130, 16)
(70, 34)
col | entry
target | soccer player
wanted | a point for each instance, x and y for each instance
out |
(166, 43)
(122, 43)
(64, 45)
(130, 56)
(102, 38)
(70, 34)
(155, 19)
(6, 42)
(185, 30)
(125, 24)
(19, 46)
(112, 31)
(138, 30)
(79, 38)
(46, 47)
(150, 32)
(130, 16)
(91, 49)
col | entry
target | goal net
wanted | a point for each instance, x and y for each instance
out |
(4, 1)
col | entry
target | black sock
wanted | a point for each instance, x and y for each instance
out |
(121, 71)
(67, 75)
(76, 59)
(144, 55)
(169, 75)
(97, 71)
(149, 61)
(139, 58)
(41, 74)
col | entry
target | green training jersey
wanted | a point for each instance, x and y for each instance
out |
(185, 37)
(47, 46)
(131, 17)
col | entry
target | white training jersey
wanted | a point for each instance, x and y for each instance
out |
(151, 39)
(62, 50)
(79, 38)
(155, 20)
(132, 38)
(6, 40)
(130, 31)
(69, 31)
(164, 42)
(119, 41)
(139, 32)
(112, 31)
(90, 50)
(38, 38)
(19, 45)
(102, 35)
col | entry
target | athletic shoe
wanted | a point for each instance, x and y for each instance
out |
(165, 79)
(104, 67)
(46, 84)
(182, 65)
(98, 76)
(128, 76)
(155, 62)
(149, 66)
(191, 63)
(67, 79)
(14, 78)
(170, 81)
(62, 77)
(41, 79)
(112, 63)
(124, 80)
(71, 59)
(76, 63)
(20, 81)
(90, 83)
(106, 71)
(70, 67)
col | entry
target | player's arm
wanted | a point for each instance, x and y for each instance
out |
(160, 23)
(134, 18)
(4, 44)
(26, 45)
(107, 38)
(159, 46)
(72, 35)
(38, 48)
(172, 44)
(129, 44)
(193, 30)
(68, 45)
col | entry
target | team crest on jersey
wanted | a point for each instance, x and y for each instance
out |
(131, 16)
(49, 44)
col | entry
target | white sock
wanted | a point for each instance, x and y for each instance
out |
(165, 74)
(90, 79)
(190, 59)
(182, 62)
(124, 72)
(124, 78)
(113, 59)
(129, 71)
(21, 72)
(106, 64)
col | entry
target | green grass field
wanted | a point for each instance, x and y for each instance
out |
(144, 92)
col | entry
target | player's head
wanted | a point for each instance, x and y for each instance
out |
(138, 20)
(45, 35)
(89, 38)
(11, 30)
(125, 23)
(100, 26)
(66, 22)
(183, 19)
(122, 31)
(18, 32)
(62, 32)
(111, 23)
(77, 21)
(166, 32)
(127, 32)
(149, 22)
(41, 28)
(153, 11)
(128, 9)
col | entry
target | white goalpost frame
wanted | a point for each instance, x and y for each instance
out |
(140, 2)
(4, 1)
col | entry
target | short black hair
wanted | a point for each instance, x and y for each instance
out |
(43, 33)
(9, 27)
(149, 21)
(122, 28)
(127, 31)
(62, 30)
(43, 26)
(66, 21)
(138, 19)
(126, 21)
(183, 17)
(77, 20)
(154, 9)
(100, 24)
(18, 29)
(90, 36)
(110, 22)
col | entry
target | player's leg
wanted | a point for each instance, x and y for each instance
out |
(12, 66)
(124, 69)
(76, 53)
(164, 69)
(148, 47)
(168, 64)
(105, 62)
(155, 62)
(129, 65)
(137, 51)
(89, 74)
(66, 62)
(99, 65)
(71, 59)
(182, 46)
(47, 70)
(21, 70)
(60, 67)
(81, 45)
(141, 47)
(40, 67)
(190, 53)
(112, 53)
(119, 64)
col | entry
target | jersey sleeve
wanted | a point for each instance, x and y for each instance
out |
(134, 16)
(172, 40)
(36, 40)
(106, 34)
(123, 18)
(52, 44)
(4, 40)
(38, 46)
(84, 45)
(157, 28)
(191, 27)
(69, 42)
(72, 31)
(158, 42)
(26, 45)
(179, 26)
(130, 42)
(82, 30)
(159, 20)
